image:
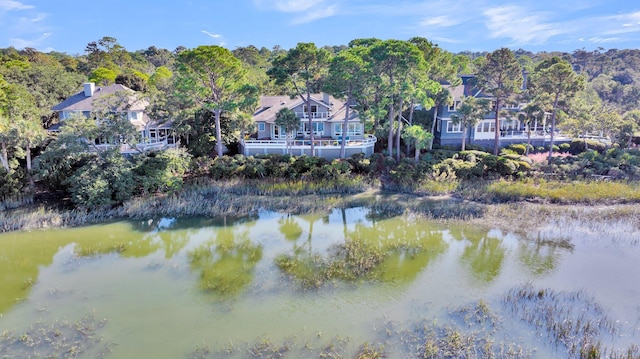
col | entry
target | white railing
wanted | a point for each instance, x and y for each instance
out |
(313, 114)
(367, 141)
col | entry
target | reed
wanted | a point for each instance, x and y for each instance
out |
(60, 339)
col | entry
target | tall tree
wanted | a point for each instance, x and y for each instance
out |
(556, 81)
(471, 110)
(302, 68)
(440, 67)
(499, 75)
(395, 59)
(348, 74)
(213, 78)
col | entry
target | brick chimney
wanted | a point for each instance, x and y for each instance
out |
(89, 89)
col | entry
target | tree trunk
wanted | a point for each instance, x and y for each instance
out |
(390, 135)
(32, 184)
(345, 127)
(5, 157)
(526, 151)
(410, 124)
(464, 137)
(496, 143)
(416, 159)
(311, 136)
(218, 133)
(433, 124)
(391, 118)
(553, 126)
(399, 130)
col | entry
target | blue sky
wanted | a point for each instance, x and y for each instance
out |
(478, 25)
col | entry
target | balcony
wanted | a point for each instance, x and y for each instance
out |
(305, 115)
(324, 147)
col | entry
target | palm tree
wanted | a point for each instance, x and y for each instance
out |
(470, 111)
(287, 119)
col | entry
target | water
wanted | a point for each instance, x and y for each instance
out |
(202, 287)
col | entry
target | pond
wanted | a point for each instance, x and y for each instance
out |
(349, 283)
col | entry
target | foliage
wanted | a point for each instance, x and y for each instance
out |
(103, 181)
(499, 75)
(211, 78)
(161, 171)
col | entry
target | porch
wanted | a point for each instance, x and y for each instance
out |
(328, 148)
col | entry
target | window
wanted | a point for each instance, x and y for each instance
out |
(353, 129)
(318, 127)
(260, 126)
(454, 127)
(134, 116)
(454, 105)
(486, 127)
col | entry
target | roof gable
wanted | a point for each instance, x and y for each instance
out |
(80, 102)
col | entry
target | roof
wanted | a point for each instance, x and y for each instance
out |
(270, 105)
(466, 89)
(80, 102)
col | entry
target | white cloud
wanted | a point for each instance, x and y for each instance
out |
(9, 5)
(315, 15)
(628, 23)
(604, 40)
(439, 21)
(522, 26)
(20, 43)
(215, 36)
(296, 5)
(288, 5)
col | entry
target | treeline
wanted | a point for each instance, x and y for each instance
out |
(209, 94)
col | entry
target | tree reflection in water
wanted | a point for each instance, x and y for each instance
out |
(226, 264)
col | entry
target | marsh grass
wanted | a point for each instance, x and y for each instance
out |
(205, 197)
(588, 192)
(355, 259)
(471, 333)
(570, 320)
(61, 339)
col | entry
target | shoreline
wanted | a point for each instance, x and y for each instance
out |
(225, 198)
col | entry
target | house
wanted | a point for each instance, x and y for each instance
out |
(327, 118)
(152, 134)
(512, 130)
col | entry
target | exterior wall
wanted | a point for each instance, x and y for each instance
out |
(321, 151)
(266, 133)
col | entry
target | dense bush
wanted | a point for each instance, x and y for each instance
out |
(579, 145)
(11, 183)
(103, 182)
(161, 171)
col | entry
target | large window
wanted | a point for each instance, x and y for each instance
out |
(486, 127)
(260, 126)
(318, 128)
(454, 127)
(353, 129)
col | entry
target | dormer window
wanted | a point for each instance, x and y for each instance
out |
(134, 116)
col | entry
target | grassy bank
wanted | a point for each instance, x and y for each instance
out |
(247, 197)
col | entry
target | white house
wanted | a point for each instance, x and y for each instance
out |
(153, 134)
(327, 118)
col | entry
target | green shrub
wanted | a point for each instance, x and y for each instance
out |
(577, 146)
(564, 147)
(519, 148)
(104, 182)
(162, 171)
(11, 183)
(225, 167)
